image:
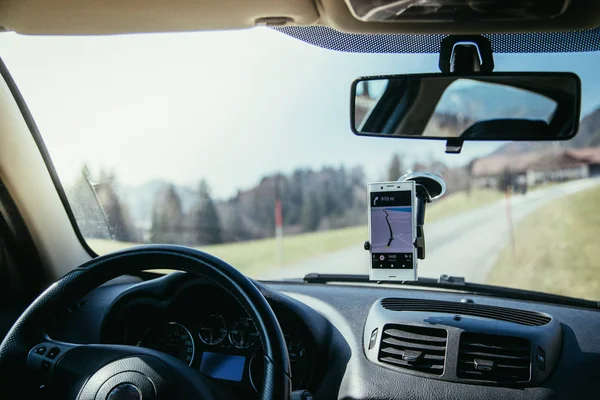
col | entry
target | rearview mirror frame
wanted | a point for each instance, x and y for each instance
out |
(573, 108)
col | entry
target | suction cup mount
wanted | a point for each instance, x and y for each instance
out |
(428, 188)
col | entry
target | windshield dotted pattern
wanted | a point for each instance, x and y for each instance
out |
(549, 42)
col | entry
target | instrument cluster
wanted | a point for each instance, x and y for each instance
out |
(221, 342)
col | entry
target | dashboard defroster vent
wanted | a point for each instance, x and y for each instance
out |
(529, 318)
(413, 347)
(493, 358)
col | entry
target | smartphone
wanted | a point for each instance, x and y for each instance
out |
(392, 231)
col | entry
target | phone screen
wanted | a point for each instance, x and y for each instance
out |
(392, 230)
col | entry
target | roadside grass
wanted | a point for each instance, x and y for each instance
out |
(257, 256)
(460, 202)
(557, 249)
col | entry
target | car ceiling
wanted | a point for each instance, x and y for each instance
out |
(133, 16)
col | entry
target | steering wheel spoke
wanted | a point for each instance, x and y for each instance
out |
(44, 356)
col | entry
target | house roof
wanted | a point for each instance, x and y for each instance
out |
(542, 160)
(589, 155)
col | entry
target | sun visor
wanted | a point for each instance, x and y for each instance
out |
(64, 17)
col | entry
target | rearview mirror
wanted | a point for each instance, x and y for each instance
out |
(494, 106)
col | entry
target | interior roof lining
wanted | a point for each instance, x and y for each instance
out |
(544, 42)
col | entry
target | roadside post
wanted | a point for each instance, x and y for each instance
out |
(508, 181)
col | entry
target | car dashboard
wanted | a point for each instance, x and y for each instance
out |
(353, 342)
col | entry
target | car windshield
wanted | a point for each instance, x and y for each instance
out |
(239, 143)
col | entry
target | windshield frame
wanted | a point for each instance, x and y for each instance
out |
(45, 154)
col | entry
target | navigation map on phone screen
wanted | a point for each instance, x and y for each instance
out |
(392, 230)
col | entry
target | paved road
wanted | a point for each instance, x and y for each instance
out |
(463, 245)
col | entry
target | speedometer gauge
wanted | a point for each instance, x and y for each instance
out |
(171, 338)
(243, 333)
(212, 329)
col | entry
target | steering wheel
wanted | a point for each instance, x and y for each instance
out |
(116, 372)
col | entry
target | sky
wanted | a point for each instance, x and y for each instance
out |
(229, 107)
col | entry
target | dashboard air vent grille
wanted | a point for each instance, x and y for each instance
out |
(493, 358)
(413, 347)
(529, 318)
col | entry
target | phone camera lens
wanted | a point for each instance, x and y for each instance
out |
(382, 187)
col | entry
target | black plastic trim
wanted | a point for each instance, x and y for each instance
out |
(39, 141)
(522, 317)
(451, 284)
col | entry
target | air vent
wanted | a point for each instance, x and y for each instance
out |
(412, 347)
(501, 359)
(529, 318)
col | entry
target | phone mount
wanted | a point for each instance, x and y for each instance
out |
(428, 188)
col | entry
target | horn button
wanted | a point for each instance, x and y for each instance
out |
(130, 378)
(127, 386)
(125, 391)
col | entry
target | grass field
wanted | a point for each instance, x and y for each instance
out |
(254, 257)
(460, 202)
(557, 249)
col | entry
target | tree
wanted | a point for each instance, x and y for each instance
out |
(506, 180)
(357, 176)
(233, 228)
(167, 217)
(312, 212)
(395, 169)
(86, 209)
(469, 174)
(204, 221)
(117, 215)
(335, 194)
(261, 203)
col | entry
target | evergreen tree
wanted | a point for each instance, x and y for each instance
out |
(205, 225)
(167, 217)
(395, 169)
(311, 212)
(86, 209)
(116, 213)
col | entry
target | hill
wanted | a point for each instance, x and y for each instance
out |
(589, 131)
(489, 101)
(588, 136)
